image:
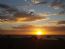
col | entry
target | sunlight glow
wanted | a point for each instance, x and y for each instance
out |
(39, 32)
(21, 19)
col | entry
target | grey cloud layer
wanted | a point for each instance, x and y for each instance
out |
(8, 13)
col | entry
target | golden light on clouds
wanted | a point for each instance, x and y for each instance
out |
(43, 14)
(21, 19)
(35, 1)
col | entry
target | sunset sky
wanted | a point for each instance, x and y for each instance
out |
(52, 10)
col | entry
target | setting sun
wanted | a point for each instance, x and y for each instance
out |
(39, 31)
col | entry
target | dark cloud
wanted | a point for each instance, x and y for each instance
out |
(10, 14)
(28, 17)
(6, 12)
(61, 22)
(56, 4)
(62, 12)
(4, 6)
(59, 4)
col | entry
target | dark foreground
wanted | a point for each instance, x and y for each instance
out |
(30, 42)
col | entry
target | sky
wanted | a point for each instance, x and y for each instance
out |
(52, 10)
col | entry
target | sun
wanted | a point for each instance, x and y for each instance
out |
(39, 32)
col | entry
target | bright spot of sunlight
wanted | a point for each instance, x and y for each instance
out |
(39, 32)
